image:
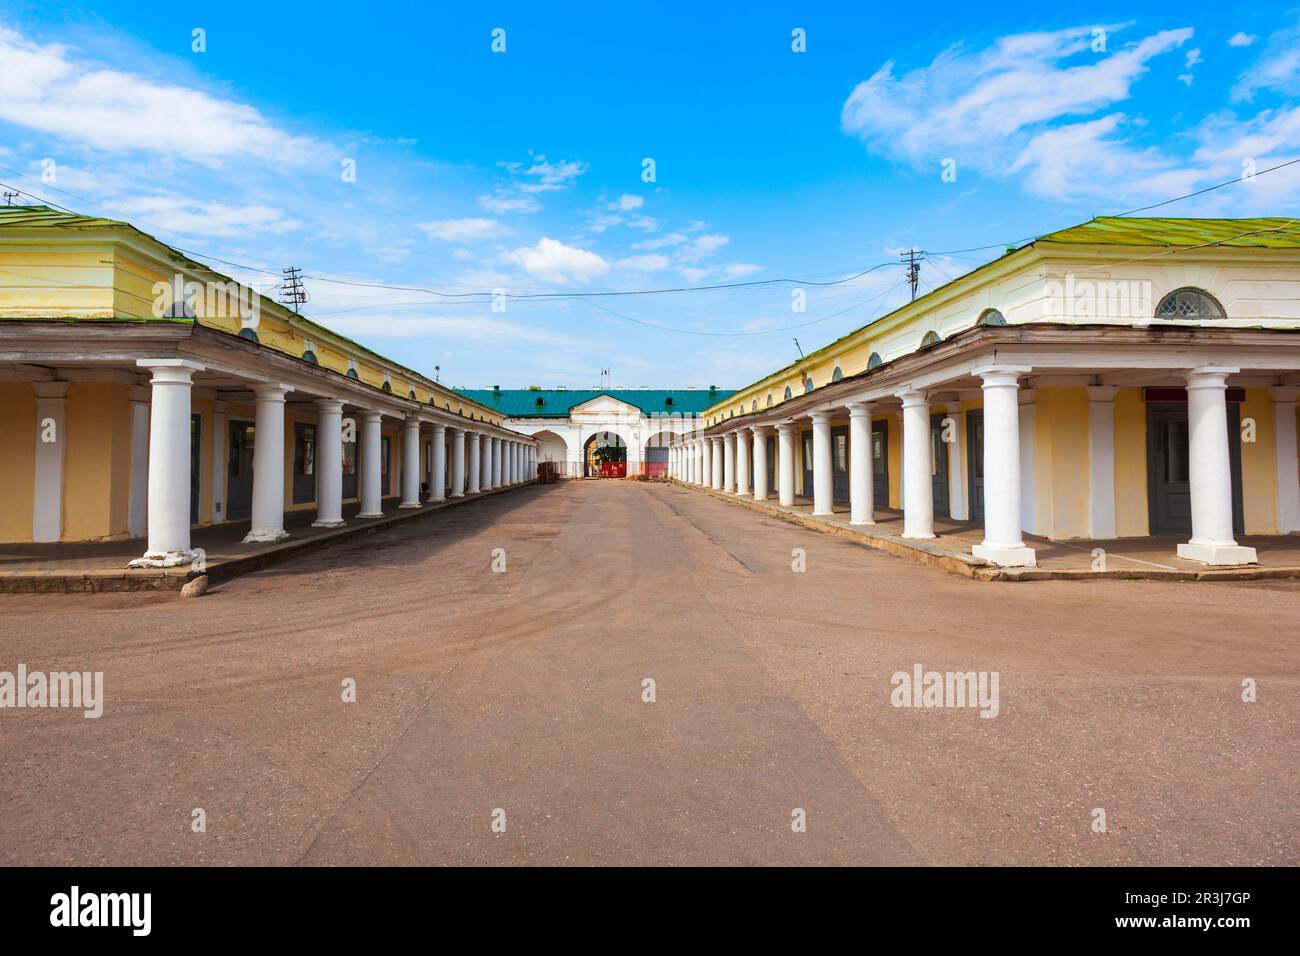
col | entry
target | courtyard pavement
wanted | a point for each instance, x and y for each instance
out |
(519, 697)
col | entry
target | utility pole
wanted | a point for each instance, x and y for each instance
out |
(912, 259)
(799, 347)
(10, 197)
(292, 291)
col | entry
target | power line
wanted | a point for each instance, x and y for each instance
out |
(1210, 189)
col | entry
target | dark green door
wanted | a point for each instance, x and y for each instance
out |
(807, 441)
(1168, 485)
(939, 466)
(239, 471)
(975, 462)
(196, 446)
(840, 463)
(880, 464)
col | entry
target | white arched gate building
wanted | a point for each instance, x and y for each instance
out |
(564, 421)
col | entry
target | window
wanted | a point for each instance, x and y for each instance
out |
(787, 393)
(304, 463)
(753, 406)
(929, 339)
(310, 356)
(874, 361)
(992, 317)
(352, 373)
(248, 334)
(837, 375)
(808, 384)
(1189, 303)
(769, 399)
(383, 465)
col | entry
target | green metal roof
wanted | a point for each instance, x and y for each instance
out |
(556, 402)
(1274, 233)
(43, 217)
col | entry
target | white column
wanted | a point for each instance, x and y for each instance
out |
(955, 450)
(51, 445)
(918, 479)
(706, 475)
(514, 462)
(371, 491)
(329, 463)
(760, 462)
(496, 462)
(474, 466)
(1003, 543)
(410, 463)
(1210, 471)
(458, 463)
(729, 462)
(718, 473)
(1288, 476)
(169, 463)
(1028, 419)
(861, 476)
(136, 515)
(220, 435)
(823, 485)
(438, 480)
(268, 466)
(1101, 461)
(785, 464)
(485, 463)
(743, 446)
(697, 461)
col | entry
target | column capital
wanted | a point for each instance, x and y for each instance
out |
(912, 397)
(760, 430)
(57, 390)
(139, 394)
(1001, 376)
(371, 416)
(821, 418)
(329, 404)
(271, 391)
(860, 409)
(439, 428)
(786, 428)
(1209, 376)
(1102, 393)
(176, 363)
(1284, 394)
(170, 371)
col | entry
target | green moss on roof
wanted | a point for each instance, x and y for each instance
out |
(1272, 233)
(44, 217)
(556, 402)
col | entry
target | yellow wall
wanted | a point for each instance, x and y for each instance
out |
(1061, 454)
(1258, 464)
(1132, 507)
(97, 461)
(18, 463)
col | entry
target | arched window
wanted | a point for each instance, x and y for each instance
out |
(769, 399)
(992, 317)
(837, 374)
(310, 356)
(248, 334)
(387, 386)
(411, 395)
(808, 384)
(787, 393)
(874, 361)
(352, 373)
(929, 339)
(1189, 303)
(753, 406)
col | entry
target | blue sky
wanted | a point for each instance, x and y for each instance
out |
(522, 170)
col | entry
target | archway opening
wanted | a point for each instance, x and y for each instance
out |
(604, 456)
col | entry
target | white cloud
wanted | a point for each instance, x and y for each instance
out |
(651, 262)
(482, 329)
(552, 261)
(462, 230)
(1277, 69)
(203, 218)
(626, 203)
(1242, 39)
(738, 270)
(988, 108)
(51, 88)
(503, 203)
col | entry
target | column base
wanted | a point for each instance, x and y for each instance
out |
(164, 559)
(435, 501)
(329, 524)
(371, 514)
(456, 495)
(410, 504)
(265, 537)
(922, 536)
(1217, 553)
(863, 524)
(1005, 556)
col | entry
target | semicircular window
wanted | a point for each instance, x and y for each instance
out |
(1189, 303)
(787, 393)
(411, 395)
(929, 339)
(992, 317)
(837, 375)
(352, 373)
(248, 334)
(388, 386)
(874, 361)
(310, 356)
